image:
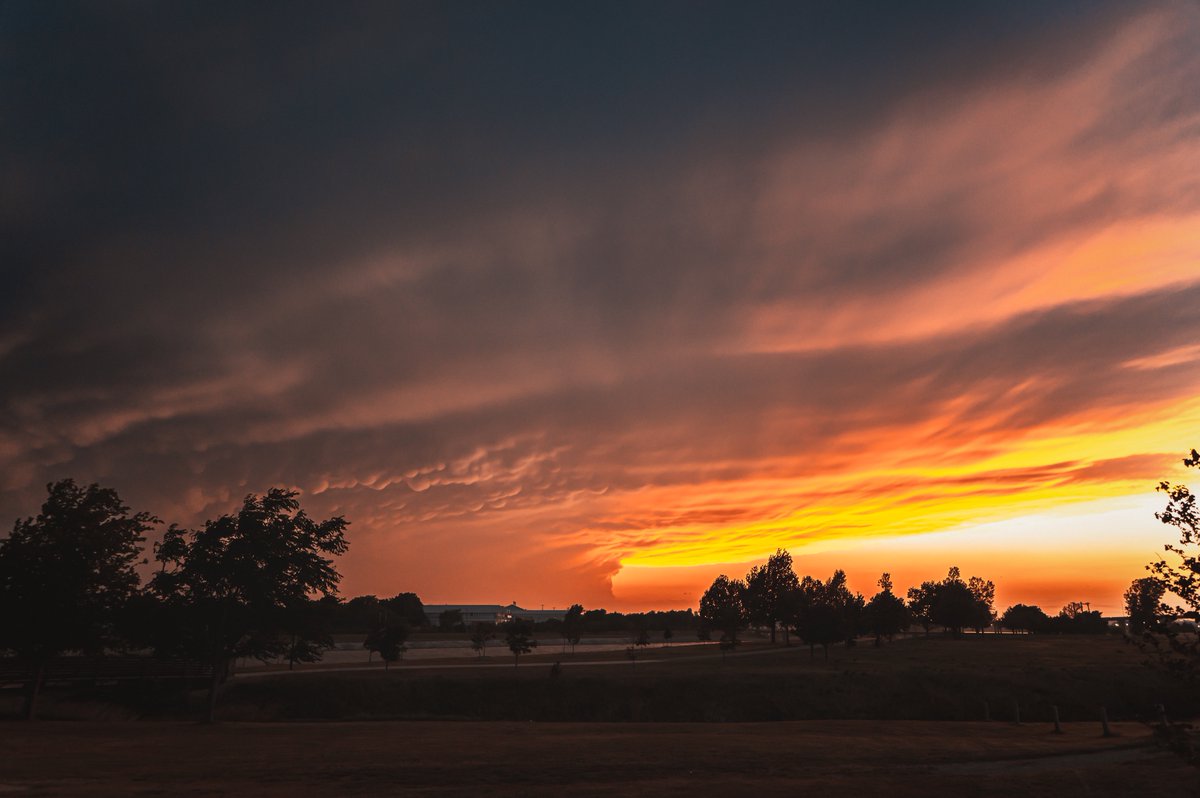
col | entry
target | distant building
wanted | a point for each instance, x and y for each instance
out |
(491, 613)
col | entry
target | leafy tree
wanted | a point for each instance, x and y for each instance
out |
(830, 611)
(408, 608)
(1173, 638)
(230, 583)
(1142, 600)
(667, 635)
(885, 614)
(768, 589)
(66, 576)
(481, 633)
(958, 605)
(920, 604)
(1026, 618)
(721, 606)
(387, 638)
(984, 592)
(572, 626)
(518, 634)
(1075, 618)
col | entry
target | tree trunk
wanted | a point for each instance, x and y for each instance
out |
(772, 632)
(826, 647)
(35, 690)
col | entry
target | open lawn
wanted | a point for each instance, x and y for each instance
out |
(827, 758)
(913, 679)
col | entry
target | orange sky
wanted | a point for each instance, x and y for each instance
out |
(895, 290)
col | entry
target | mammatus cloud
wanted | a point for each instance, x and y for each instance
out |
(522, 344)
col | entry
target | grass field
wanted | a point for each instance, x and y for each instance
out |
(827, 758)
(901, 720)
(912, 679)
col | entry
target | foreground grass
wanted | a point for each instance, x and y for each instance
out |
(916, 679)
(858, 758)
(913, 679)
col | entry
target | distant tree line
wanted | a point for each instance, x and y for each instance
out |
(260, 582)
(824, 612)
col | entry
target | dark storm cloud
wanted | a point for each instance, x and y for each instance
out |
(436, 262)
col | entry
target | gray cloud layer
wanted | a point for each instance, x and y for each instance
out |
(458, 272)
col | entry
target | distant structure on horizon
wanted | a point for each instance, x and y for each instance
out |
(491, 613)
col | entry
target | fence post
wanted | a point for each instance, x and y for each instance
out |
(1057, 727)
(987, 712)
(1104, 723)
(1017, 712)
(1162, 716)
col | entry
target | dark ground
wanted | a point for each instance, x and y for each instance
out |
(826, 758)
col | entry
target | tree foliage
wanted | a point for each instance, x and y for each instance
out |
(1172, 635)
(387, 637)
(769, 589)
(885, 614)
(722, 606)
(920, 604)
(66, 575)
(1142, 600)
(1025, 618)
(518, 635)
(481, 633)
(829, 612)
(230, 584)
(572, 626)
(958, 605)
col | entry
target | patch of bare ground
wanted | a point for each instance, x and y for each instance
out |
(858, 758)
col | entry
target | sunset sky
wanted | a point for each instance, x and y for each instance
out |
(590, 302)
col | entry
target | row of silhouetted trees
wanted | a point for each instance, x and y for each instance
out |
(824, 612)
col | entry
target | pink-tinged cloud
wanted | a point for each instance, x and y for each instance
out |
(596, 352)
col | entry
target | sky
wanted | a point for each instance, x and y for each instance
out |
(590, 302)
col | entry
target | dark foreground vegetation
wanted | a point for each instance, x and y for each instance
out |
(916, 678)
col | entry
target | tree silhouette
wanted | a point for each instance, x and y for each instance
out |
(1173, 638)
(408, 608)
(920, 604)
(1025, 617)
(958, 605)
(885, 614)
(230, 583)
(768, 590)
(387, 638)
(572, 626)
(1142, 600)
(721, 607)
(481, 633)
(66, 575)
(518, 634)
(830, 612)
